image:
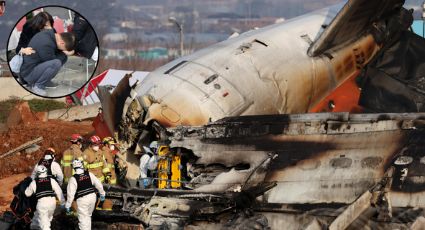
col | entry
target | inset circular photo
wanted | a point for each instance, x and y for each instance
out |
(52, 51)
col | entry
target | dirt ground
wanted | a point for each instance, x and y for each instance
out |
(17, 166)
(55, 134)
(6, 194)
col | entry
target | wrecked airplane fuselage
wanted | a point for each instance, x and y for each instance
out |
(285, 68)
(332, 158)
(291, 161)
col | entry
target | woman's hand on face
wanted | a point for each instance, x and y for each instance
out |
(27, 51)
(69, 53)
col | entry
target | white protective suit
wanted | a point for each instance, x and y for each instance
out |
(144, 166)
(46, 206)
(56, 171)
(85, 204)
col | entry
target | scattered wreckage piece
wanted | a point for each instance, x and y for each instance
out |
(24, 146)
(177, 208)
(378, 197)
(336, 156)
(306, 167)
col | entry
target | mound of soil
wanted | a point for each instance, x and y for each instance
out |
(55, 133)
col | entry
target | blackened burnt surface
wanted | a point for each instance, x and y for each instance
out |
(119, 95)
(353, 21)
(395, 80)
(414, 181)
(289, 152)
(282, 118)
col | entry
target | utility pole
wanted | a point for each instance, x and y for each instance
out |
(423, 20)
(180, 27)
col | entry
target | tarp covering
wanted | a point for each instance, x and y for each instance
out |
(23, 207)
(395, 80)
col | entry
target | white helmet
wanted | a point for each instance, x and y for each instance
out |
(153, 145)
(77, 164)
(41, 171)
(147, 150)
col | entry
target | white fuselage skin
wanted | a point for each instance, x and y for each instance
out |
(264, 71)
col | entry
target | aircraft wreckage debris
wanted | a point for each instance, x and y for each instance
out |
(22, 147)
(242, 165)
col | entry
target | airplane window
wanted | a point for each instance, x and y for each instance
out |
(210, 79)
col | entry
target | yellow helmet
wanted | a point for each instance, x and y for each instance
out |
(109, 141)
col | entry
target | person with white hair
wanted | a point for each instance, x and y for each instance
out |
(53, 168)
(82, 187)
(45, 188)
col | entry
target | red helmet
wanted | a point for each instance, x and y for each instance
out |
(95, 140)
(76, 137)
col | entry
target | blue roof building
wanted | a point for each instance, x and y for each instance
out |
(418, 27)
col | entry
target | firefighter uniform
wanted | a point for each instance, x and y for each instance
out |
(95, 163)
(45, 188)
(72, 153)
(82, 187)
(110, 163)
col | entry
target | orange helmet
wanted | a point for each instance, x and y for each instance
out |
(51, 150)
(49, 153)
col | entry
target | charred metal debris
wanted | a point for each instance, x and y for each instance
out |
(234, 165)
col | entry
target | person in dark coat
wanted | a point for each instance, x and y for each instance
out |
(39, 22)
(51, 51)
(85, 37)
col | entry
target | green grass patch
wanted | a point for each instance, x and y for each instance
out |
(40, 105)
(36, 105)
(5, 107)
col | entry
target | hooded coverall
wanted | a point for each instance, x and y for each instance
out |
(143, 168)
(72, 153)
(82, 187)
(54, 170)
(95, 162)
(45, 190)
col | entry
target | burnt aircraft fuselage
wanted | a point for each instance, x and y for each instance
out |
(321, 158)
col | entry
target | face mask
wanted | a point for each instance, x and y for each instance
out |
(112, 147)
(95, 148)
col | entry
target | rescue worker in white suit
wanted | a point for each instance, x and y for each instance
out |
(148, 161)
(53, 168)
(45, 188)
(82, 187)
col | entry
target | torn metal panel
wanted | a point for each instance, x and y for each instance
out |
(113, 104)
(395, 80)
(355, 18)
(352, 212)
(321, 158)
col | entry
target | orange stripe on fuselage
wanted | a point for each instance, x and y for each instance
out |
(345, 98)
